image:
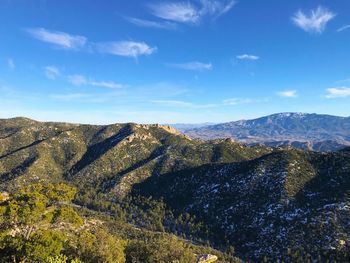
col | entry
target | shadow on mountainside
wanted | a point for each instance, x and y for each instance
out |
(332, 182)
(22, 148)
(33, 144)
(178, 188)
(113, 181)
(18, 170)
(95, 151)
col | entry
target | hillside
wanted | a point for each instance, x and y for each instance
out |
(298, 130)
(40, 223)
(112, 157)
(252, 202)
(285, 200)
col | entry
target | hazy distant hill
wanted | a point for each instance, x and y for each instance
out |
(187, 126)
(299, 130)
(258, 201)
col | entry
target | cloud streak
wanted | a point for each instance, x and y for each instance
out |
(185, 12)
(343, 80)
(237, 101)
(75, 42)
(152, 24)
(58, 39)
(314, 22)
(288, 94)
(79, 80)
(106, 84)
(226, 102)
(247, 57)
(194, 65)
(69, 96)
(11, 64)
(179, 103)
(343, 28)
(126, 48)
(216, 8)
(52, 72)
(341, 92)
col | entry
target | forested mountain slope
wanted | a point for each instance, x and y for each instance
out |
(253, 202)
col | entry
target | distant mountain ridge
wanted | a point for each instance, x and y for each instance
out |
(300, 130)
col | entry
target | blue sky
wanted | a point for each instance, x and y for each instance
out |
(173, 61)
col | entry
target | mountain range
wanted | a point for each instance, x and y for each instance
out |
(256, 202)
(300, 130)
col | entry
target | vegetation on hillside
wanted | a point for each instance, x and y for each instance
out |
(40, 224)
(72, 192)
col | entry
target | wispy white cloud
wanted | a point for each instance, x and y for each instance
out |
(288, 94)
(126, 48)
(69, 96)
(216, 8)
(6, 90)
(237, 101)
(340, 92)
(185, 12)
(116, 94)
(57, 38)
(161, 90)
(77, 80)
(315, 21)
(226, 102)
(52, 72)
(106, 84)
(179, 103)
(172, 102)
(152, 24)
(98, 98)
(11, 64)
(343, 80)
(76, 42)
(194, 65)
(247, 57)
(343, 28)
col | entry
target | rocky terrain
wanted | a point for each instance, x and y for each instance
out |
(298, 130)
(260, 202)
